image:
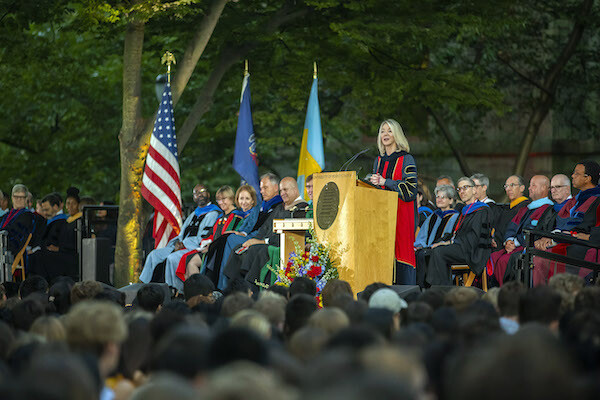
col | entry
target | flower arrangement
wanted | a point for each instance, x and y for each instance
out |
(315, 261)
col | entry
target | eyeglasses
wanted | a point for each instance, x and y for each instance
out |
(557, 187)
(478, 186)
(441, 197)
(197, 192)
(19, 197)
(511, 185)
(463, 188)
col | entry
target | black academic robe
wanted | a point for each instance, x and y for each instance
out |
(248, 264)
(471, 245)
(502, 214)
(19, 224)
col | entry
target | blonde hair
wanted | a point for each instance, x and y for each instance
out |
(50, 328)
(397, 132)
(250, 190)
(225, 192)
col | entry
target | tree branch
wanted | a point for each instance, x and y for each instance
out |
(520, 73)
(228, 57)
(20, 146)
(462, 161)
(195, 48)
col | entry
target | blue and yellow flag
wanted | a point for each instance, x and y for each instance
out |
(312, 156)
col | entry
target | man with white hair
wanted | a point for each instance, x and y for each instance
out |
(18, 221)
(482, 183)
(560, 190)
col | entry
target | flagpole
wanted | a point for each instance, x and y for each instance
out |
(246, 70)
(315, 70)
(169, 59)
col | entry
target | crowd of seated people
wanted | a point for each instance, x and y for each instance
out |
(470, 228)
(86, 340)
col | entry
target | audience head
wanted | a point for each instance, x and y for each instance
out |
(465, 190)
(269, 186)
(444, 180)
(539, 186)
(26, 312)
(238, 285)
(514, 187)
(387, 299)
(540, 304)
(307, 343)
(330, 320)
(245, 197)
(253, 321)
(297, 311)
(460, 298)
(150, 297)
(481, 183)
(288, 189)
(50, 328)
(588, 299)
(333, 289)
(72, 201)
(567, 286)
(197, 284)
(272, 306)
(586, 175)
(371, 288)
(201, 195)
(235, 303)
(225, 198)
(33, 284)
(303, 285)
(508, 299)
(391, 132)
(560, 188)
(97, 327)
(236, 344)
(85, 290)
(445, 197)
(19, 196)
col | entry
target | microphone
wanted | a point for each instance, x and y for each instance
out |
(352, 159)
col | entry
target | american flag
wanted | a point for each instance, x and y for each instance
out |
(160, 184)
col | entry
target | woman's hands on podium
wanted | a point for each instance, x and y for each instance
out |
(377, 180)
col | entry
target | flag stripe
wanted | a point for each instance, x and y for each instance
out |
(161, 184)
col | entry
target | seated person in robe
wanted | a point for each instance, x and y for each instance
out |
(470, 241)
(538, 214)
(436, 228)
(248, 259)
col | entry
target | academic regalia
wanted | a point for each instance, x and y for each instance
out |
(226, 222)
(64, 262)
(400, 173)
(250, 226)
(537, 214)
(50, 237)
(249, 264)
(19, 223)
(436, 228)
(196, 226)
(578, 215)
(424, 213)
(470, 245)
(503, 214)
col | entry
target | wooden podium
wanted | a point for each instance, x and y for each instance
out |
(359, 221)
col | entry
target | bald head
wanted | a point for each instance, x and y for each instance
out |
(539, 186)
(288, 189)
(560, 188)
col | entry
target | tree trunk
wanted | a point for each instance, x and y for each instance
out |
(549, 87)
(128, 249)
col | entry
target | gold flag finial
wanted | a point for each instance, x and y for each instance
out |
(315, 70)
(169, 59)
(246, 70)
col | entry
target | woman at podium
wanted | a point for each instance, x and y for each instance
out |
(395, 170)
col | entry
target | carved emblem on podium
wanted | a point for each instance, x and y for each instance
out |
(327, 205)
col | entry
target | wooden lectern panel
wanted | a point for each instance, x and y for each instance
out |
(362, 229)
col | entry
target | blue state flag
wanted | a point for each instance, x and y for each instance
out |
(245, 161)
(312, 155)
